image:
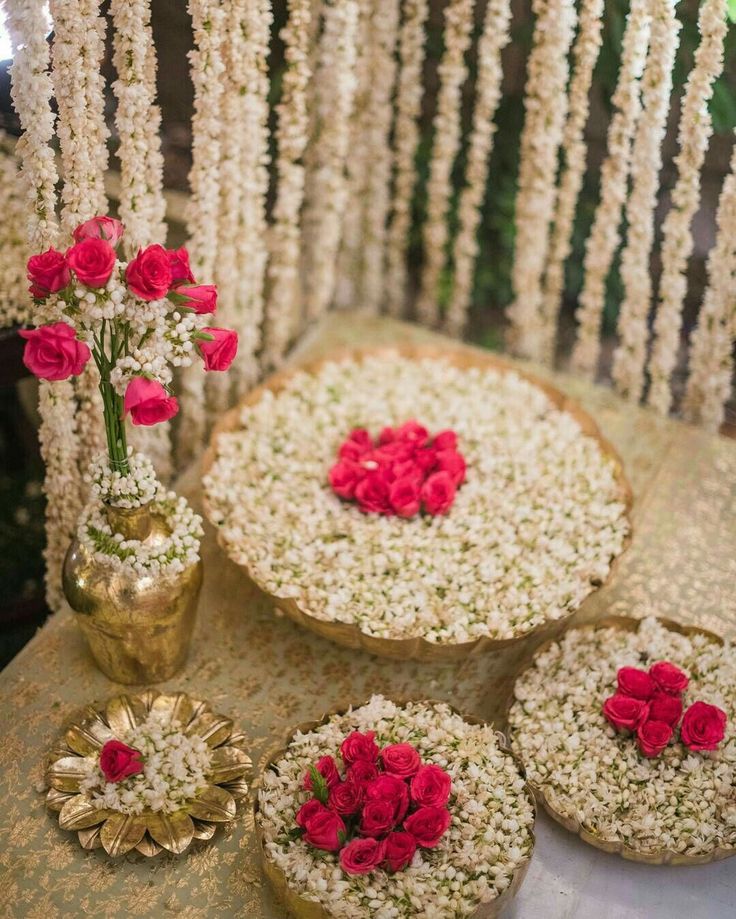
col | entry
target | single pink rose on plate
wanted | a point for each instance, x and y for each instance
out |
(359, 746)
(392, 789)
(344, 477)
(665, 707)
(668, 677)
(346, 798)
(147, 402)
(181, 272)
(327, 768)
(653, 737)
(438, 493)
(399, 849)
(309, 810)
(431, 786)
(92, 260)
(118, 761)
(218, 351)
(401, 759)
(148, 275)
(202, 298)
(53, 352)
(404, 496)
(324, 829)
(361, 856)
(625, 713)
(107, 228)
(377, 818)
(361, 772)
(48, 273)
(635, 682)
(428, 825)
(703, 726)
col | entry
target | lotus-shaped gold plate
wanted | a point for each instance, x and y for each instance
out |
(149, 832)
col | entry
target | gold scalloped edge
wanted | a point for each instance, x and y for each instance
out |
(150, 832)
(350, 635)
(302, 908)
(573, 824)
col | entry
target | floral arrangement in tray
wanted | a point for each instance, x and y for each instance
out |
(627, 731)
(527, 519)
(387, 807)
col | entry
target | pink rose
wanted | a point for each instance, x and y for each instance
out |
(413, 433)
(372, 494)
(400, 759)
(653, 737)
(107, 228)
(356, 445)
(362, 438)
(387, 436)
(202, 299)
(346, 798)
(668, 677)
(361, 772)
(445, 440)
(635, 682)
(377, 818)
(53, 352)
(149, 275)
(625, 713)
(452, 463)
(344, 477)
(324, 829)
(357, 746)
(48, 273)
(703, 727)
(219, 351)
(404, 496)
(396, 451)
(438, 493)
(309, 810)
(426, 460)
(665, 707)
(181, 272)
(327, 768)
(361, 856)
(390, 789)
(431, 786)
(427, 825)
(148, 402)
(92, 261)
(118, 761)
(399, 849)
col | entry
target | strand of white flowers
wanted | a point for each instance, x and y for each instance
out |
(406, 137)
(493, 40)
(646, 161)
(452, 73)
(585, 54)
(336, 85)
(291, 140)
(545, 110)
(604, 235)
(694, 133)
(14, 301)
(206, 68)
(32, 91)
(711, 346)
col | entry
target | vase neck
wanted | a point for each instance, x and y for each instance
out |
(130, 522)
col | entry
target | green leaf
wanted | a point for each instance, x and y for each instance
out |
(732, 10)
(319, 785)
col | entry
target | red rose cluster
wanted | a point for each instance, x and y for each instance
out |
(385, 805)
(649, 704)
(402, 472)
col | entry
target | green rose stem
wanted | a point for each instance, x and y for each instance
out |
(112, 402)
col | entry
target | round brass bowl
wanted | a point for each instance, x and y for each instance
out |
(571, 823)
(149, 832)
(301, 908)
(349, 635)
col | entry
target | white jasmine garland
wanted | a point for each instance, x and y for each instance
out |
(682, 801)
(134, 489)
(14, 305)
(488, 840)
(534, 527)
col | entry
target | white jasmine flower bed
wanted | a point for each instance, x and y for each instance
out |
(484, 853)
(533, 530)
(680, 806)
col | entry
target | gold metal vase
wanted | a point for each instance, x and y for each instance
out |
(138, 626)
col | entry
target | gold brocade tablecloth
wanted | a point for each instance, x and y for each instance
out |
(268, 674)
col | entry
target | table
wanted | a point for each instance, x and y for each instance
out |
(268, 674)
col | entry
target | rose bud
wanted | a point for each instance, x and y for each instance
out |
(392, 789)
(431, 787)
(438, 493)
(665, 707)
(428, 825)
(344, 477)
(653, 737)
(147, 402)
(181, 271)
(357, 746)
(361, 772)
(107, 228)
(118, 761)
(635, 682)
(452, 463)
(346, 798)
(377, 818)
(372, 494)
(219, 351)
(48, 273)
(92, 261)
(387, 436)
(324, 829)
(400, 759)
(309, 810)
(413, 433)
(53, 352)
(148, 275)
(327, 768)
(668, 677)
(399, 849)
(445, 440)
(404, 496)
(361, 856)
(202, 299)
(625, 713)
(703, 726)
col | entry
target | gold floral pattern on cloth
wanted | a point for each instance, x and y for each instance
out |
(268, 674)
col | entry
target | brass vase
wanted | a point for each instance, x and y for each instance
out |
(138, 626)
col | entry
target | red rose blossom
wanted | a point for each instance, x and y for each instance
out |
(377, 818)
(625, 713)
(107, 228)
(438, 493)
(400, 759)
(118, 761)
(399, 849)
(48, 273)
(181, 272)
(361, 856)
(361, 772)
(653, 737)
(445, 440)
(327, 768)
(53, 352)
(372, 494)
(147, 402)
(635, 682)
(404, 496)
(324, 829)
(413, 433)
(346, 798)
(148, 275)
(453, 463)
(92, 261)
(344, 477)
(427, 825)
(703, 726)
(308, 810)
(202, 298)
(392, 789)
(357, 746)
(665, 707)
(668, 677)
(431, 786)
(218, 351)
